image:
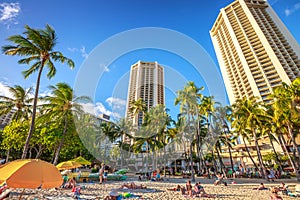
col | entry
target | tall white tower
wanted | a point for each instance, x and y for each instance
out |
(255, 50)
(147, 83)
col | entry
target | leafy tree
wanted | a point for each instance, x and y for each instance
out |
(188, 99)
(13, 136)
(138, 108)
(286, 111)
(254, 117)
(225, 115)
(20, 100)
(37, 46)
(61, 107)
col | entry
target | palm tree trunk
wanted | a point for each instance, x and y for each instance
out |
(165, 161)
(191, 160)
(249, 153)
(191, 147)
(122, 155)
(276, 155)
(153, 161)
(31, 128)
(214, 161)
(39, 153)
(262, 167)
(7, 155)
(220, 160)
(175, 167)
(285, 150)
(61, 142)
(231, 160)
(295, 146)
(229, 147)
(30, 153)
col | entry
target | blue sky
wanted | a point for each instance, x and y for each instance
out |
(82, 26)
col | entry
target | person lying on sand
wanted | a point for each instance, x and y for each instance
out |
(260, 187)
(132, 185)
(274, 194)
(178, 188)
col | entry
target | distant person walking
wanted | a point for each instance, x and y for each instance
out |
(101, 172)
(105, 173)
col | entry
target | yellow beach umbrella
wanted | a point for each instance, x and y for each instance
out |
(81, 160)
(30, 173)
(68, 165)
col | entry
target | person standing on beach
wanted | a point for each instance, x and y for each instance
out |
(101, 171)
(105, 173)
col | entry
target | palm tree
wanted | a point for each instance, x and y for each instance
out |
(252, 113)
(224, 115)
(138, 107)
(241, 130)
(156, 120)
(20, 100)
(188, 100)
(108, 129)
(179, 129)
(61, 107)
(123, 131)
(36, 46)
(286, 105)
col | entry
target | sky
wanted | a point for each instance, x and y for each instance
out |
(104, 38)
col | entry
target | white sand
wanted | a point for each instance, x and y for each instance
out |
(158, 190)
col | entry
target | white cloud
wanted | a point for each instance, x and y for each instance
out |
(116, 103)
(4, 90)
(98, 109)
(72, 49)
(290, 11)
(287, 12)
(82, 50)
(9, 13)
(45, 93)
(106, 69)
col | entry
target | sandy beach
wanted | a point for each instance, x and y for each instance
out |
(242, 189)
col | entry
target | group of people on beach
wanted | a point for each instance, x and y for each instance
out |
(190, 191)
(242, 172)
(274, 191)
(153, 176)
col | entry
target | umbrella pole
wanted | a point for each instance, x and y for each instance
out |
(21, 194)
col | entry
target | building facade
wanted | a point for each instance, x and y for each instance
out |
(255, 50)
(147, 83)
(6, 118)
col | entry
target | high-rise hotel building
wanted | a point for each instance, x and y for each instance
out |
(147, 83)
(255, 50)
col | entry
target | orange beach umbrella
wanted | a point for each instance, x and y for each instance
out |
(30, 173)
